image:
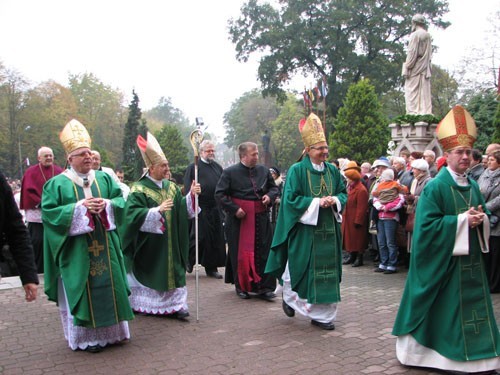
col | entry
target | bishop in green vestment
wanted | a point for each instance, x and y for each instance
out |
(84, 270)
(445, 319)
(156, 238)
(306, 252)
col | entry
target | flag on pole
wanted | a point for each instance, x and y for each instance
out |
(307, 100)
(324, 88)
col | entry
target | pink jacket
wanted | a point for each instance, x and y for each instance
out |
(389, 211)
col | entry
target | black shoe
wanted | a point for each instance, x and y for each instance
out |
(379, 270)
(181, 315)
(214, 274)
(93, 348)
(268, 296)
(288, 310)
(189, 268)
(350, 259)
(328, 326)
(359, 261)
(242, 294)
(389, 272)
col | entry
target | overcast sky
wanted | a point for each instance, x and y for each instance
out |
(177, 49)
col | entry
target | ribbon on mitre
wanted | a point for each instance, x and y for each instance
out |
(302, 122)
(141, 143)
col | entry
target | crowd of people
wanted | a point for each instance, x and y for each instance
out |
(109, 251)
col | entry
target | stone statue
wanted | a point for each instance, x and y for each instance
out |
(417, 69)
(266, 140)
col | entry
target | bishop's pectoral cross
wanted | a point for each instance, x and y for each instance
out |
(95, 248)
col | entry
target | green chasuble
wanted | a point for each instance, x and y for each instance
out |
(90, 265)
(314, 253)
(446, 304)
(158, 261)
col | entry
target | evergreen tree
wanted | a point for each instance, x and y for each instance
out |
(132, 163)
(496, 124)
(171, 142)
(361, 132)
(483, 107)
(341, 40)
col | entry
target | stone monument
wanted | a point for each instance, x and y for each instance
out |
(417, 69)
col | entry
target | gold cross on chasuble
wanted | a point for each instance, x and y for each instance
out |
(95, 249)
(475, 321)
(324, 232)
(471, 267)
(325, 274)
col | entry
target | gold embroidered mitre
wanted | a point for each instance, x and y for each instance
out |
(150, 150)
(456, 129)
(74, 136)
(311, 130)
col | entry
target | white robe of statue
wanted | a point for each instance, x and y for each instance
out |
(417, 73)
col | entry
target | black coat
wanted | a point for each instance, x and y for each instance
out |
(14, 233)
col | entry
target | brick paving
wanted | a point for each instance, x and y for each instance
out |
(233, 336)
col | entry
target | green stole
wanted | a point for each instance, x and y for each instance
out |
(313, 252)
(156, 260)
(99, 289)
(446, 304)
(323, 274)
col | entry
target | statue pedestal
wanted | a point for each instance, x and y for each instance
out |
(420, 136)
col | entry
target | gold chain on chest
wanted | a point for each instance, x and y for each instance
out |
(323, 185)
(463, 198)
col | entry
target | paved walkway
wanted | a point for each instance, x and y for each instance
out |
(233, 336)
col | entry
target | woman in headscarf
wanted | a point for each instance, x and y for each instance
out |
(420, 169)
(354, 221)
(489, 184)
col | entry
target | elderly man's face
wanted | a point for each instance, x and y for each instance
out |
(429, 159)
(46, 158)
(160, 171)
(318, 153)
(96, 161)
(81, 160)
(251, 157)
(398, 166)
(365, 169)
(208, 153)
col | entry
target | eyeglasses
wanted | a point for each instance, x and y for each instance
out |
(461, 152)
(83, 154)
(321, 148)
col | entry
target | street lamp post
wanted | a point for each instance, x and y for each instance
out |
(20, 156)
(28, 127)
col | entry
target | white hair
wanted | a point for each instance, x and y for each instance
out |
(43, 149)
(205, 143)
(430, 153)
(399, 160)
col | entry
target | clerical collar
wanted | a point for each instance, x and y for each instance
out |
(205, 161)
(460, 179)
(82, 179)
(318, 167)
(158, 183)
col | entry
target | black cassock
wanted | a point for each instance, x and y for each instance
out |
(249, 184)
(212, 246)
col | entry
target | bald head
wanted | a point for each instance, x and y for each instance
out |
(492, 148)
(96, 160)
(45, 156)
